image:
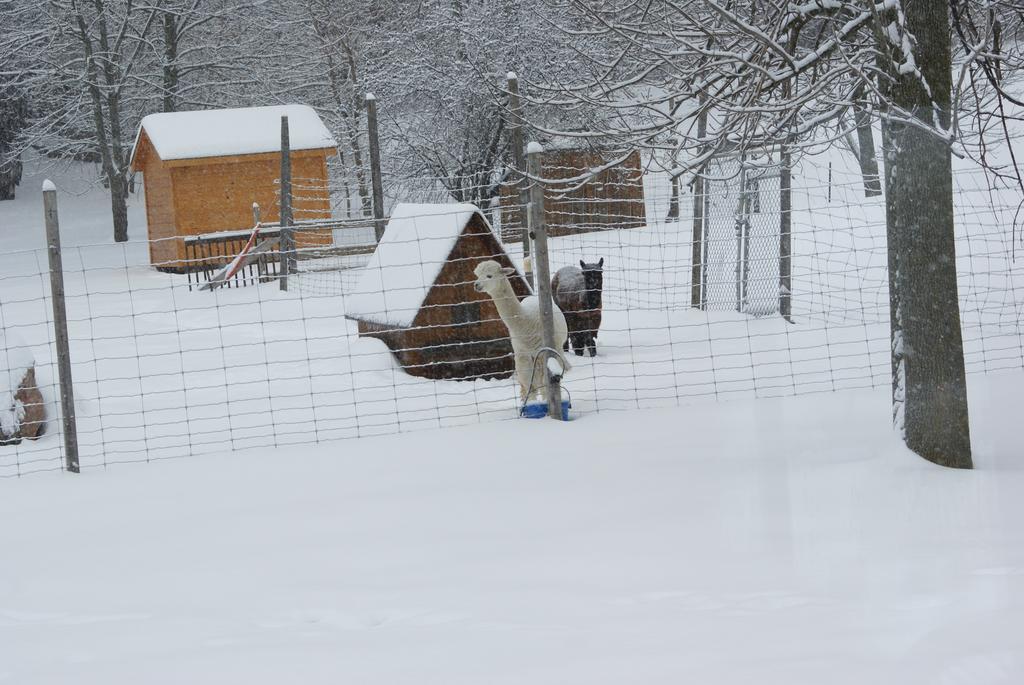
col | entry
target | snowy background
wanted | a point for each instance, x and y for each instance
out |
(729, 503)
(782, 540)
(162, 371)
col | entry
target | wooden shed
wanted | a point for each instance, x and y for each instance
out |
(203, 170)
(417, 295)
(613, 199)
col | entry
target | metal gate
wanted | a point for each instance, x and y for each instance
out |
(740, 251)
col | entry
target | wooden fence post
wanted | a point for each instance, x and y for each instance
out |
(519, 160)
(540, 237)
(287, 239)
(60, 325)
(697, 244)
(375, 173)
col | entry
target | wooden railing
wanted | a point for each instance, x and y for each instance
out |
(207, 253)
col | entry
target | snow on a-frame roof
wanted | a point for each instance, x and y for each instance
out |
(224, 132)
(409, 258)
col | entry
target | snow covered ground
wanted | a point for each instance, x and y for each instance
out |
(162, 372)
(766, 539)
(783, 541)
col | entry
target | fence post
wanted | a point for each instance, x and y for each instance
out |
(741, 238)
(375, 174)
(697, 245)
(519, 160)
(698, 278)
(540, 237)
(287, 239)
(60, 326)
(261, 262)
(785, 234)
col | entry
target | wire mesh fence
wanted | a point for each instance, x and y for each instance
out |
(741, 235)
(398, 338)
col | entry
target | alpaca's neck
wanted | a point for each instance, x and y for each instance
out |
(506, 301)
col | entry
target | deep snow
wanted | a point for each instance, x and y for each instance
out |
(789, 541)
(162, 372)
(773, 541)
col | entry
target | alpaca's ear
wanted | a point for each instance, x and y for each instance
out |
(583, 265)
(600, 262)
(508, 270)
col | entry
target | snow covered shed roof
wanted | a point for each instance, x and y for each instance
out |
(227, 132)
(416, 244)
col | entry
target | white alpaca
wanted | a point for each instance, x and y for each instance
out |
(524, 326)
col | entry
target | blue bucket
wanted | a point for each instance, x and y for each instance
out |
(538, 410)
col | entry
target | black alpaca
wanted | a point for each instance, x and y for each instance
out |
(577, 292)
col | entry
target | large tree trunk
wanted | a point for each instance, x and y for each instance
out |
(119, 207)
(353, 139)
(349, 105)
(357, 164)
(111, 153)
(13, 118)
(929, 383)
(118, 167)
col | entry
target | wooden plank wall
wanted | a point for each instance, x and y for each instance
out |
(457, 333)
(217, 195)
(163, 248)
(613, 199)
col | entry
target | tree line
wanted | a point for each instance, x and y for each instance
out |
(77, 76)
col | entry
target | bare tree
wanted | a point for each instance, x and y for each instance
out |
(13, 118)
(207, 52)
(340, 43)
(929, 380)
(18, 39)
(95, 49)
(91, 69)
(692, 79)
